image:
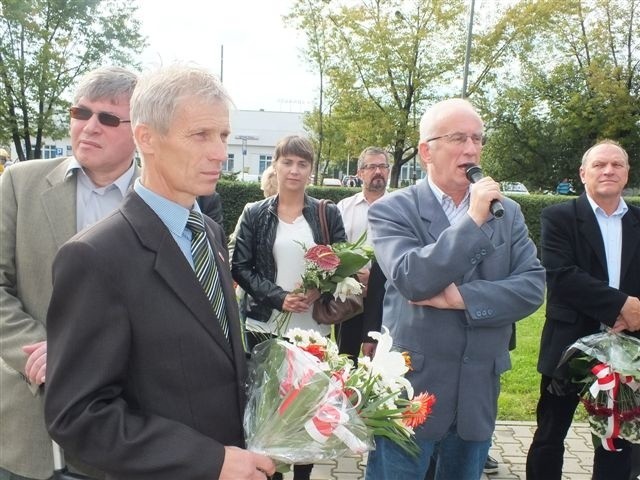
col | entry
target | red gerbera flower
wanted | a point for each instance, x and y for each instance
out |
(323, 256)
(316, 350)
(416, 413)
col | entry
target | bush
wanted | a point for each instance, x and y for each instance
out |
(235, 195)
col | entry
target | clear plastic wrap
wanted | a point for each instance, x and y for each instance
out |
(610, 371)
(298, 412)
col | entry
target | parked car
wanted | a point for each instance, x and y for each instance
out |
(513, 188)
(331, 182)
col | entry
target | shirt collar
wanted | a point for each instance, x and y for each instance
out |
(360, 198)
(440, 195)
(619, 212)
(173, 215)
(121, 183)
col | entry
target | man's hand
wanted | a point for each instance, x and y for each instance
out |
(448, 299)
(482, 193)
(36, 367)
(363, 278)
(242, 464)
(629, 317)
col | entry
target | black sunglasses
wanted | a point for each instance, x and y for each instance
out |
(108, 119)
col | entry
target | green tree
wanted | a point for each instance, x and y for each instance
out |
(576, 82)
(45, 45)
(384, 61)
(307, 16)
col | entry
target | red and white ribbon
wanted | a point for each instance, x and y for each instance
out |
(331, 419)
(609, 381)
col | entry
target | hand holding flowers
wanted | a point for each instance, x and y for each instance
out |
(308, 403)
(328, 269)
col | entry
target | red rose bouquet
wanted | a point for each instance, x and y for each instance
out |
(308, 403)
(330, 269)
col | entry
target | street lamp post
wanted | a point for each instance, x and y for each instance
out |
(244, 139)
(467, 54)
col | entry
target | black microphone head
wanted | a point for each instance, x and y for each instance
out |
(474, 173)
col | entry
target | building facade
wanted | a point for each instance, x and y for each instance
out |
(254, 134)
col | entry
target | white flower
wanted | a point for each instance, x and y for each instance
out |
(390, 366)
(348, 286)
(304, 338)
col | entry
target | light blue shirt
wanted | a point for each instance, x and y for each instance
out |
(611, 230)
(94, 203)
(453, 212)
(173, 216)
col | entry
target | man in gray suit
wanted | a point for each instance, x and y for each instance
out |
(43, 204)
(457, 280)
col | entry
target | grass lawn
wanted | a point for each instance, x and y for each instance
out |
(521, 384)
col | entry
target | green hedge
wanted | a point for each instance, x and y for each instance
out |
(235, 195)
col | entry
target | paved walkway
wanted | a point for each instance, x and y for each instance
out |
(511, 441)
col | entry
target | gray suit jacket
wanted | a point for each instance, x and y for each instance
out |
(457, 355)
(37, 215)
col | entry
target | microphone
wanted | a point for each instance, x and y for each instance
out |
(474, 173)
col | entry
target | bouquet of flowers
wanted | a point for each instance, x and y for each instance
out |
(330, 269)
(308, 403)
(610, 371)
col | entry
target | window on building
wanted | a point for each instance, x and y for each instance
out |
(49, 151)
(229, 164)
(265, 161)
(406, 173)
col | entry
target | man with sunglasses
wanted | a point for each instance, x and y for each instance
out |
(458, 278)
(44, 203)
(373, 170)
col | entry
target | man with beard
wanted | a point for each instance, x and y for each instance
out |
(373, 170)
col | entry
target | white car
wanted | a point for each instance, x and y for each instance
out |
(513, 188)
(331, 182)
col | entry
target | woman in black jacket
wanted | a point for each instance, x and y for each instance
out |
(268, 255)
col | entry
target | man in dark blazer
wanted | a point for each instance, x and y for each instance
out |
(591, 251)
(146, 374)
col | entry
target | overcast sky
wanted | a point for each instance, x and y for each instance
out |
(262, 60)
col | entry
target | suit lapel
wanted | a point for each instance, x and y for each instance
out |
(59, 203)
(590, 230)
(630, 240)
(172, 266)
(431, 211)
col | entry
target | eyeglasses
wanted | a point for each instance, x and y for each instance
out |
(373, 166)
(108, 119)
(460, 138)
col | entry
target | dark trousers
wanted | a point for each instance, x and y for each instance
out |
(349, 336)
(554, 416)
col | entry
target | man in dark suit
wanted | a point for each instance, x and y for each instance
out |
(591, 251)
(146, 366)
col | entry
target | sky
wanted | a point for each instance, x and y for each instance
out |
(262, 65)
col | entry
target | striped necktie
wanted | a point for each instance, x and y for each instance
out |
(205, 267)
